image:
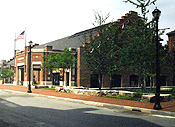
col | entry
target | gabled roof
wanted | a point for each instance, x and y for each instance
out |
(76, 40)
(73, 41)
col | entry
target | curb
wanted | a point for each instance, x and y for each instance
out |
(99, 104)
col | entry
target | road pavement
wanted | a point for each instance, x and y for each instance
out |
(19, 110)
(168, 107)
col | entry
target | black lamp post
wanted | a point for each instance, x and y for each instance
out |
(29, 89)
(156, 14)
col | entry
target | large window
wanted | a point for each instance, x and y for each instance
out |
(56, 78)
(116, 80)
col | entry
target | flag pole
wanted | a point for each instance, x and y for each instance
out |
(25, 51)
(15, 54)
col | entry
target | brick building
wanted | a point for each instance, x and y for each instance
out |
(7, 64)
(38, 76)
(79, 75)
(171, 40)
(171, 44)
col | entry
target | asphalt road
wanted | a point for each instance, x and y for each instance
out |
(23, 110)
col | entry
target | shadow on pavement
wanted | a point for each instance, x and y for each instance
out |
(13, 115)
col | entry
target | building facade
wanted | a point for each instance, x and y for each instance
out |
(171, 46)
(38, 75)
(79, 74)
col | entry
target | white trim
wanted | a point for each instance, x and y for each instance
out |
(36, 62)
(20, 64)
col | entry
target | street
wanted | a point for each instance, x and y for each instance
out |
(23, 110)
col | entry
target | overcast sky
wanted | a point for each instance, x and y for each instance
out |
(48, 20)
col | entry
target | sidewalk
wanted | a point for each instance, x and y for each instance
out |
(168, 107)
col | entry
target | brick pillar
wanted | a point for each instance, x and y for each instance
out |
(78, 66)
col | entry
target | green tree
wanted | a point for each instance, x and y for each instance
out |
(100, 53)
(138, 52)
(49, 62)
(63, 60)
(168, 61)
(6, 73)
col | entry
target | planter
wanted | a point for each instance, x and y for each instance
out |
(151, 98)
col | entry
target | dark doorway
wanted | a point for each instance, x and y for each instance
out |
(133, 80)
(116, 80)
(67, 78)
(21, 75)
(94, 83)
(56, 78)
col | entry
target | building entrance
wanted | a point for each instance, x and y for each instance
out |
(20, 75)
(56, 78)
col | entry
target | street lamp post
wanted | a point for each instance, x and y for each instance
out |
(156, 14)
(29, 88)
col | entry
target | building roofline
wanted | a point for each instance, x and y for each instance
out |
(171, 33)
(94, 30)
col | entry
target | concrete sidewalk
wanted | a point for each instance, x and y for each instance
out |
(168, 107)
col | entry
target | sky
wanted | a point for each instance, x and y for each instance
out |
(49, 20)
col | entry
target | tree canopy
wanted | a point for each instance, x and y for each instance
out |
(62, 60)
(6, 73)
(101, 50)
(133, 47)
(138, 53)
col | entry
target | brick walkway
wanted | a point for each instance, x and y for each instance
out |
(167, 106)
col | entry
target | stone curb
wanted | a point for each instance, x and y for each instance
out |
(99, 104)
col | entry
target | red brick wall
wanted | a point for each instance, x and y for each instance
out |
(171, 43)
(83, 73)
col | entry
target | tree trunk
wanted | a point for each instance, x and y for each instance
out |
(144, 83)
(151, 82)
(100, 80)
(110, 81)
